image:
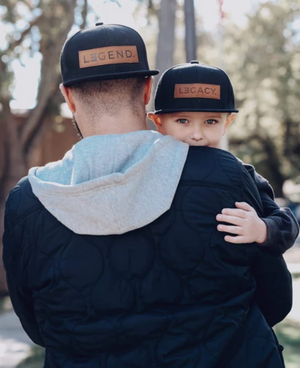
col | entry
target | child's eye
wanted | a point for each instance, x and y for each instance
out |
(211, 121)
(182, 121)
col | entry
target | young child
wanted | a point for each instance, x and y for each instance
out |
(194, 103)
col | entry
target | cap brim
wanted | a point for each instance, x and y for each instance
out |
(169, 111)
(109, 76)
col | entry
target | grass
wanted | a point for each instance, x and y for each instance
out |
(296, 276)
(288, 333)
(1, 305)
(34, 360)
(5, 304)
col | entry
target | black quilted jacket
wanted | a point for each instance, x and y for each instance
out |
(172, 294)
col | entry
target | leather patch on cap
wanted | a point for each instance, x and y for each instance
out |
(108, 55)
(197, 90)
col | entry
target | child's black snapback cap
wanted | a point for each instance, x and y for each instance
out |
(110, 51)
(194, 87)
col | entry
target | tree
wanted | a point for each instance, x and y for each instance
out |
(190, 30)
(264, 64)
(47, 27)
(165, 41)
(166, 36)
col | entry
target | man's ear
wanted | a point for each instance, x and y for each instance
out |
(148, 89)
(228, 121)
(67, 93)
(157, 121)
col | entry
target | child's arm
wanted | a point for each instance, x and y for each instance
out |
(247, 226)
(277, 230)
(274, 294)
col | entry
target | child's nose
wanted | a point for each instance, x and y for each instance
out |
(197, 134)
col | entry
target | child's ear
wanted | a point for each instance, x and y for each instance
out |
(229, 120)
(157, 121)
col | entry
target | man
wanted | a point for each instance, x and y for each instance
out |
(112, 254)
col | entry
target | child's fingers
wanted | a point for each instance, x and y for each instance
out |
(244, 206)
(229, 229)
(234, 212)
(234, 220)
(235, 239)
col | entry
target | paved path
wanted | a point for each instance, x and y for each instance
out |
(15, 345)
(292, 258)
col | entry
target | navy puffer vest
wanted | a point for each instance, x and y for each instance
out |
(172, 294)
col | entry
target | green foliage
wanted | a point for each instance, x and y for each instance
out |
(35, 359)
(32, 27)
(263, 61)
(152, 8)
(288, 333)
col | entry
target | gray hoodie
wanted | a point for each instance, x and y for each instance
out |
(111, 184)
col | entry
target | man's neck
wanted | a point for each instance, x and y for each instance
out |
(107, 124)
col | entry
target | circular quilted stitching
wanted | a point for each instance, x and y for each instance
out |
(146, 325)
(182, 249)
(136, 358)
(132, 255)
(90, 336)
(116, 299)
(177, 349)
(86, 259)
(161, 286)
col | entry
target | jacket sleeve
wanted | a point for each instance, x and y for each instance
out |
(273, 295)
(282, 226)
(16, 256)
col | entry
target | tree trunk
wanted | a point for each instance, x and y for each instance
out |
(190, 31)
(20, 141)
(165, 44)
(166, 37)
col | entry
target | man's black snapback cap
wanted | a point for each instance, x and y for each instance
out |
(194, 87)
(110, 51)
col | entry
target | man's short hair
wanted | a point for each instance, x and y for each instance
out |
(110, 96)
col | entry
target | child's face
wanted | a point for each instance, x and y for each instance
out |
(194, 128)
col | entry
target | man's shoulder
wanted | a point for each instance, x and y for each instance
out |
(206, 162)
(216, 168)
(21, 202)
(211, 152)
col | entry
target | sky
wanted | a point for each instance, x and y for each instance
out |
(27, 74)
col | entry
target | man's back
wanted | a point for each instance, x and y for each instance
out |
(172, 293)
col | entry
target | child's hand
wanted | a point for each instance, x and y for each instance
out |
(248, 227)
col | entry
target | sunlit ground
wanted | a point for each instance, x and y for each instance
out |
(288, 331)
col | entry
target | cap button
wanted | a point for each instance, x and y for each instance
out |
(99, 24)
(194, 62)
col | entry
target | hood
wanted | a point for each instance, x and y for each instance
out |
(111, 184)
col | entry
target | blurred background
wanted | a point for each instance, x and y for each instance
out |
(257, 42)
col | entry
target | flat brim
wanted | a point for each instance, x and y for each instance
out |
(109, 76)
(170, 111)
